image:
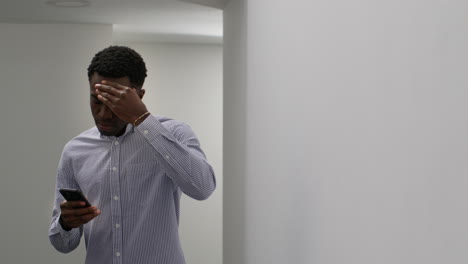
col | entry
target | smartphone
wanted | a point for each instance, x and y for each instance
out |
(74, 195)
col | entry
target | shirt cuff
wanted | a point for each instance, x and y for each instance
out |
(151, 128)
(56, 228)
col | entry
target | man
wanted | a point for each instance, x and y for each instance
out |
(132, 167)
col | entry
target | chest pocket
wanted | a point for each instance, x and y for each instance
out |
(143, 184)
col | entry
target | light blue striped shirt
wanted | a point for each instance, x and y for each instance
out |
(136, 181)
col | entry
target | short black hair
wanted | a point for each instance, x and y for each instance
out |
(117, 62)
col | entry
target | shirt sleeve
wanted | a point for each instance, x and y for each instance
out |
(181, 155)
(62, 240)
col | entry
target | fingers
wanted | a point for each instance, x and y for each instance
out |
(116, 85)
(113, 88)
(77, 221)
(107, 99)
(85, 211)
(85, 218)
(113, 97)
(102, 88)
(74, 215)
(72, 204)
(109, 93)
(78, 211)
(123, 101)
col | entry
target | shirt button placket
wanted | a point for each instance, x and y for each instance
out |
(115, 202)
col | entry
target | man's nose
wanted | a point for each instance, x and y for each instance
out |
(105, 113)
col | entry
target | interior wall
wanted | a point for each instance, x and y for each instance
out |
(234, 132)
(185, 82)
(44, 103)
(356, 124)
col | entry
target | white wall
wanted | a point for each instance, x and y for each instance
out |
(355, 132)
(44, 103)
(185, 82)
(234, 133)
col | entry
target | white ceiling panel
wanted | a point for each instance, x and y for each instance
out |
(133, 20)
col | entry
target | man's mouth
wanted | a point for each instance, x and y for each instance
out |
(105, 126)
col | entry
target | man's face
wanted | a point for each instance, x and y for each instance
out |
(106, 121)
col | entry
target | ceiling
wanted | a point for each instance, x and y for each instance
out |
(200, 21)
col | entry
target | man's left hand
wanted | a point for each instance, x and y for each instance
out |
(123, 101)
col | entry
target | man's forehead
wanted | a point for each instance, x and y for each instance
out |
(96, 78)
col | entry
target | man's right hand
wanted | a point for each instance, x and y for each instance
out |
(74, 215)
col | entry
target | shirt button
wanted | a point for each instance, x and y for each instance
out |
(117, 254)
(116, 197)
(114, 168)
(145, 132)
(167, 157)
(117, 225)
(116, 143)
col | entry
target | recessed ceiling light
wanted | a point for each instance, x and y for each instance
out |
(68, 3)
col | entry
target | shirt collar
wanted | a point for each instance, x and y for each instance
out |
(129, 129)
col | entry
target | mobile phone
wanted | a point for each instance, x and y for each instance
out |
(74, 195)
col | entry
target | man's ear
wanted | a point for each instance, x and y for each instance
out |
(141, 93)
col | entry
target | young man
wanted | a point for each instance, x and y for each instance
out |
(132, 167)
